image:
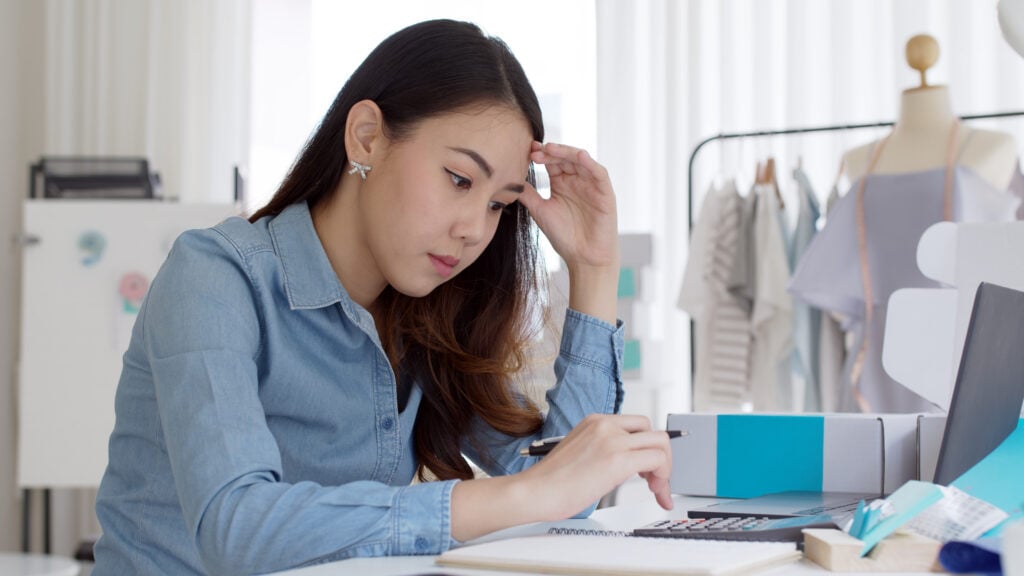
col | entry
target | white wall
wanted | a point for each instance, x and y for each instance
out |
(165, 80)
(21, 24)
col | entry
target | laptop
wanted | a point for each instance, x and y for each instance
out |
(984, 410)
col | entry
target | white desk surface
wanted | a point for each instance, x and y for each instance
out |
(36, 565)
(625, 517)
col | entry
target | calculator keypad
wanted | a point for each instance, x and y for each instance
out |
(711, 524)
(752, 528)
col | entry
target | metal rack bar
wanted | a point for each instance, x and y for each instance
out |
(809, 130)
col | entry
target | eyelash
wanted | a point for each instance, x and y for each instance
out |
(463, 183)
(460, 182)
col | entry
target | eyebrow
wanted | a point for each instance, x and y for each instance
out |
(485, 166)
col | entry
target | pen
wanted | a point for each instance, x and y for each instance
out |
(545, 445)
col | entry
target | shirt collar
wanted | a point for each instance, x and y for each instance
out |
(309, 279)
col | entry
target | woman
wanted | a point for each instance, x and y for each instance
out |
(289, 375)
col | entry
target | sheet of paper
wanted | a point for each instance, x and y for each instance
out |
(957, 516)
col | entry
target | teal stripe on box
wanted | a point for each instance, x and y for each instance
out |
(762, 454)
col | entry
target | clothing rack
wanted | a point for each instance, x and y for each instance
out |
(790, 131)
(783, 132)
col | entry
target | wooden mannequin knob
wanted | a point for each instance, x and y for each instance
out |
(922, 54)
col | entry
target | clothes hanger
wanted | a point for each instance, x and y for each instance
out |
(839, 173)
(801, 192)
(769, 170)
(769, 178)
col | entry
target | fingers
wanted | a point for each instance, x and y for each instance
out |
(654, 442)
(627, 422)
(647, 439)
(560, 159)
(530, 198)
(657, 475)
(644, 451)
(651, 453)
(600, 453)
(660, 488)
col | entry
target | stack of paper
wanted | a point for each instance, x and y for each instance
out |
(622, 555)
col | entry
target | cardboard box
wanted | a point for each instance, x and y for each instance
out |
(930, 430)
(900, 449)
(746, 455)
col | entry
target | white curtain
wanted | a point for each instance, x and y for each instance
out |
(167, 80)
(671, 73)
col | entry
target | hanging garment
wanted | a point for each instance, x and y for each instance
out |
(771, 316)
(806, 319)
(832, 348)
(1016, 188)
(742, 279)
(722, 325)
(758, 282)
(868, 250)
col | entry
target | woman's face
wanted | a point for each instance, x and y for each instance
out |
(432, 203)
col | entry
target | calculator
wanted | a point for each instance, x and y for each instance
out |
(751, 528)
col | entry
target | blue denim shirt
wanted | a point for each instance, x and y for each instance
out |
(258, 426)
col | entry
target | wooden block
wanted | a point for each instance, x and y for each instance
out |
(837, 551)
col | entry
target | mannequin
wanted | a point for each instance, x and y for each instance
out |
(930, 168)
(920, 137)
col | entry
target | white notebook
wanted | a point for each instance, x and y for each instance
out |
(622, 556)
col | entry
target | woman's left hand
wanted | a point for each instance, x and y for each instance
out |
(580, 217)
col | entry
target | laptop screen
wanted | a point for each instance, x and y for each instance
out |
(989, 388)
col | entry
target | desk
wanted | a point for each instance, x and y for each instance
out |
(36, 565)
(625, 517)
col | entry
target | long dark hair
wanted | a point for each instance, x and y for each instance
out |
(464, 341)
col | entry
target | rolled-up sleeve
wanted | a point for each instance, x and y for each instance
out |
(202, 333)
(588, 381)
(588, 371)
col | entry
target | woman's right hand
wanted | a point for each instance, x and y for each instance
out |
(599, 454)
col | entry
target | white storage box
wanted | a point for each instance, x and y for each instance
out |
(746, 455)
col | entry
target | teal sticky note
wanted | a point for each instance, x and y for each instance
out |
(907, 501)
(627, 283)
(631, 355)
(858, 520)
(997, 478)
(762, 454)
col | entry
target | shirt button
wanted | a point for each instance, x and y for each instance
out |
(387, 423)
(422, 544)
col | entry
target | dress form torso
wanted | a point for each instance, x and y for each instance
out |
(919, 139)
(928, 169)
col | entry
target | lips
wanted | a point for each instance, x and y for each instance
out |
(448, 260)
(444, 264)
